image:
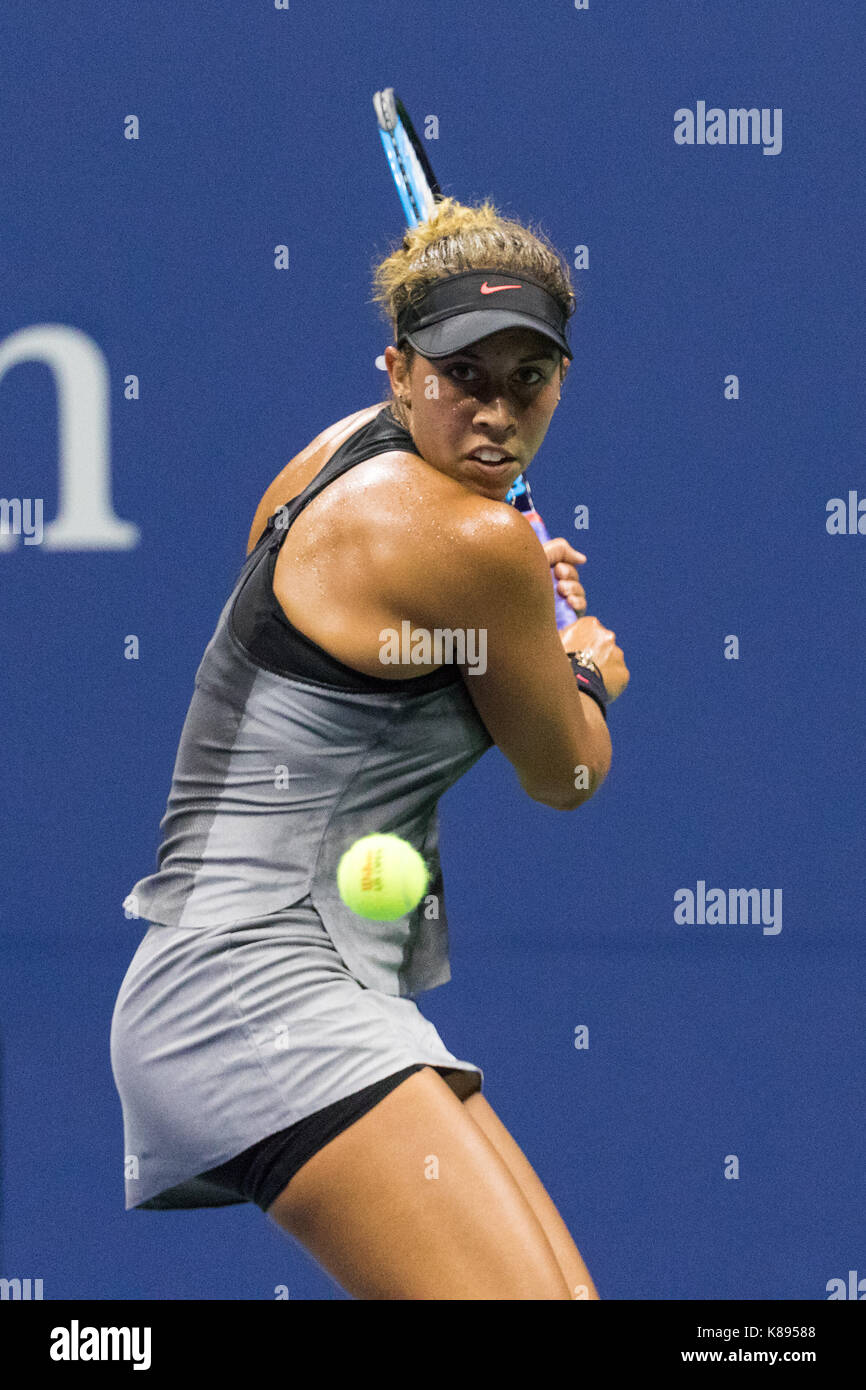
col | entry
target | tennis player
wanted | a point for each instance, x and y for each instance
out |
(266, 1043)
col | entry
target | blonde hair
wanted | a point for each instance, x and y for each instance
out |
(461, 237)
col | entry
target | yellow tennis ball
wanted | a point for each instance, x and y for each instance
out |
(381, 877)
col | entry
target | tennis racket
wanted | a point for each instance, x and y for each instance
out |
(419, 192)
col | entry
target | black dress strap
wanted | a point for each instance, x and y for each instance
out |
(257, 620)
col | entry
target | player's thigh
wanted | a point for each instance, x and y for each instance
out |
(570, 1260)
(412, 1201)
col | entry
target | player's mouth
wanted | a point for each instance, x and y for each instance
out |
(494, 460)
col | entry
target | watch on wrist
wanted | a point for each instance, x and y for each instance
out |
(584, 658)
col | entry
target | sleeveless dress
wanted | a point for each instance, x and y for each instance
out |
(256, 997)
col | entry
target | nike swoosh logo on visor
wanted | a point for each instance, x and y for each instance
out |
(492, 289)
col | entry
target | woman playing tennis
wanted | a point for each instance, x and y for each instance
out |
(266, 1042)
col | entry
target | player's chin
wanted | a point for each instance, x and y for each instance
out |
(494, 480)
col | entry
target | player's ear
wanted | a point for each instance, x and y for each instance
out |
(564, 364)
(395, 362)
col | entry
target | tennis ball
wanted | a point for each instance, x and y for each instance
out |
(381, 877)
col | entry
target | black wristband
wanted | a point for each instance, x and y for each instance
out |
(590, 683)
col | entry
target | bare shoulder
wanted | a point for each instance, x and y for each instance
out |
(404, 493)
(433, 543)
(303, 467)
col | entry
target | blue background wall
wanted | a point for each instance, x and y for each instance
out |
(707, 518)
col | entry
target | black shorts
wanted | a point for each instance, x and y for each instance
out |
(260, 1173)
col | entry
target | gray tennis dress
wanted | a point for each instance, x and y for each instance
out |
(256, 997)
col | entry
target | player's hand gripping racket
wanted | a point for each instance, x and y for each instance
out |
(419, 192)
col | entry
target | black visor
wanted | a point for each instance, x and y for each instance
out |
(475, 303)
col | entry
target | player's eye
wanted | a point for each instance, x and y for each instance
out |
(535, 376)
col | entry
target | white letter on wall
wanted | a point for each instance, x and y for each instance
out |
(86, 519)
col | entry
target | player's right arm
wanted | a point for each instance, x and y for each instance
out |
(490, 574)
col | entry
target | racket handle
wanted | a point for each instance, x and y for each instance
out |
(565, 614)
(520, 497)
